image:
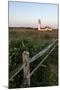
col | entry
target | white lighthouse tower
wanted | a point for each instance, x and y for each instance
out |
(39, 24)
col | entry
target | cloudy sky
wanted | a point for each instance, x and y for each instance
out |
(24, 14)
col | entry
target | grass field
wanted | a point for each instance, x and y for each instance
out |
(33, 41)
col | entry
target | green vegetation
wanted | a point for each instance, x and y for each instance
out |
(33, 41)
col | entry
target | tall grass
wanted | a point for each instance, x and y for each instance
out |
(33, 41)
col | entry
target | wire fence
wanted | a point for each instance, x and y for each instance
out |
(25, 67)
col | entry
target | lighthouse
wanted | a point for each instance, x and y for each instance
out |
(39, 24)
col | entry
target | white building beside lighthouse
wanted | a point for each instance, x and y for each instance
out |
(46, 28)
(39, 24)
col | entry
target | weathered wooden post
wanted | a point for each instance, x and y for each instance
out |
(26, 70)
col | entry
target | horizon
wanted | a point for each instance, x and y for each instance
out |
(26, 14)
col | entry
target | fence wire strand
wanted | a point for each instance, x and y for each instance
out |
(42, 52)
(42, 61)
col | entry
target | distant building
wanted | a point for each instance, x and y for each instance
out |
(43, 29)
(48, 28)
(39, 24)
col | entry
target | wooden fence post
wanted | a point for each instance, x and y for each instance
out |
(26, 70)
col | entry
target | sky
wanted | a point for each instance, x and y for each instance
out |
(25, 14)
